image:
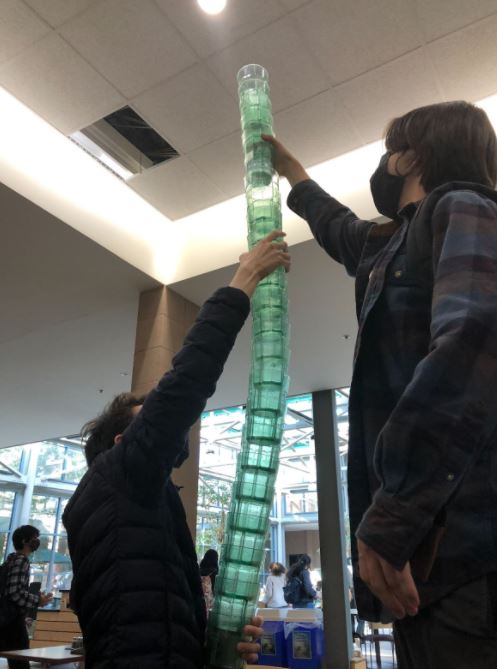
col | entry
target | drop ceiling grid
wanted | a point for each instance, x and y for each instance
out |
(134, 45)
(19, 28)
(339, 70)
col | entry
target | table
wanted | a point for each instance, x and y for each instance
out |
(47, 657)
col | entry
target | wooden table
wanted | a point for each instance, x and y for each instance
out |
(47, 657)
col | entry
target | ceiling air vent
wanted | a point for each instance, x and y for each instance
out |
(124, 143)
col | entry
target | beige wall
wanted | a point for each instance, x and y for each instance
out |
(164, 318)
(303, 541)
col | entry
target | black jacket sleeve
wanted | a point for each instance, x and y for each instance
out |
(335, 227)
(157, 436)
(307, 584)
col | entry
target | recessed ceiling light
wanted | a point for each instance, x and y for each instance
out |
(212, 6)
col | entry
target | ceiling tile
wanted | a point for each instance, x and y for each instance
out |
(294, 74)
(19, 28)
(57, 12)
(445, 16)
(131, 43)
(208, 34)
(54, 81)
(350, 38)
(293, 4)
(465, 61)
(317, 129)
(374, 98)
(176, 188)
(223, 162)
(190, 110)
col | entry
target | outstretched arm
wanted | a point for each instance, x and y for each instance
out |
(335, 227)
(156, 438)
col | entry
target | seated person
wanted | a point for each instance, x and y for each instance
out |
(16, 595)
(136, 586)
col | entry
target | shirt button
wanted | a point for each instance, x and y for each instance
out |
(398, 274)
(450, 477)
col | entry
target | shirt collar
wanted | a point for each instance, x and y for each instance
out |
(407, 212)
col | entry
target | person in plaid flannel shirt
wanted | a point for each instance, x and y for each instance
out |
(14, 636)
(422, 464)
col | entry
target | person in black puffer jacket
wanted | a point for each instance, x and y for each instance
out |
(136, 587)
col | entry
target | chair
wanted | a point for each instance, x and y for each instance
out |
(380, 632)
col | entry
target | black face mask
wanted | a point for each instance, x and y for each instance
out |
(34, 544)
(386, 189)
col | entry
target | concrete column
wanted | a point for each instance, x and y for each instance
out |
(164, 318)
(336, 608)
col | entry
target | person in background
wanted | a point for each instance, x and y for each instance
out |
(136, 587)
(209, 568)
(300, 570)
(319, 595)
(14, 635)
(273, 596)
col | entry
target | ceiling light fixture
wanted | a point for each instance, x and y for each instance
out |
(212, 6)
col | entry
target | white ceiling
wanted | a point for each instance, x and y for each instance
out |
(67, 330)
(339, 70)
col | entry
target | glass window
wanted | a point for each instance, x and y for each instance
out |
(75, 465)
(214, 497)
(51, 563)
(7, 498)
(62, 570)
(61, 460)
(342, 421)
(44, 514)
(10, 457)
(50, 461)
(295, 501)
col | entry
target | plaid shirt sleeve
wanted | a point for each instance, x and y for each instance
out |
(17, 586)
(440, 425)
(335, 227)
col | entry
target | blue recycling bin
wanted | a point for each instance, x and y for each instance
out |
(273, 644)
(304, 644)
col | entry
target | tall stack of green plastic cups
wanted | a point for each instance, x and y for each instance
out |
(237, 585)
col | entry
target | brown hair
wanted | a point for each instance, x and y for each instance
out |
(452, 141)
(114, 419)
(277, 569)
